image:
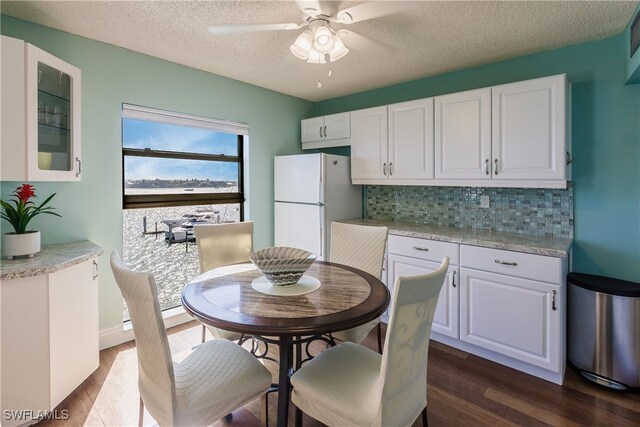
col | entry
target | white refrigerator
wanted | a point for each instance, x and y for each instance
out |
(311, 191)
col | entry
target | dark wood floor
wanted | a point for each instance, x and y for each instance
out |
(463, 390)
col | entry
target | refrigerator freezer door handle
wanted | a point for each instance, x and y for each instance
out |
(299, 203)
(322, 243)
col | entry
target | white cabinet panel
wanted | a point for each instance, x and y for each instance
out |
(411, 140)
(73, 337)
(430, 250)
(445, 320)
(325, 131)
(311, 129)
(463, 135)
(337, 126)
(528, 137)
(511, 316)
(528, 266)
(369, 143)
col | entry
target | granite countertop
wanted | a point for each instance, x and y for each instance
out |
(538, 245)
(50, 259)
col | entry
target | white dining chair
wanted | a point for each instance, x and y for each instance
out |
(351, 385)
(362, 247)
(219, 245)
(215, 379)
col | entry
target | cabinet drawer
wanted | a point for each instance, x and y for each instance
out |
(528, 266)
(430, 250)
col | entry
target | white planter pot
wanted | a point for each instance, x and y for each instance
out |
(21, 244)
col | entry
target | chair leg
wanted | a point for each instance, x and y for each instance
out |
(204, 331)
(425, 421)
(379, 331)
(298, 417)
(141, 413)
(264, 409)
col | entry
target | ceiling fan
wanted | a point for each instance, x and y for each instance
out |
(320, 42)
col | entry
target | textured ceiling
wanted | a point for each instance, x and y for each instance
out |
(428, 39)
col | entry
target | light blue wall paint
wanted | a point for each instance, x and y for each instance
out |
(606, 141)
(631, 63)
(91, 209)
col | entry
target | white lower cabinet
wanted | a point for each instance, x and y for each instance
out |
(515, 317)
(49, 337)
(505, 306)
(445, 320)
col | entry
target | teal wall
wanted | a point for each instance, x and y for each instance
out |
(91, 209)
(606, 141)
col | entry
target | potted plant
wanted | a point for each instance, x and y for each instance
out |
(19, 211)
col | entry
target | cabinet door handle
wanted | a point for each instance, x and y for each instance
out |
(495, 167)
(390, 169)
(486, 166)
(79, 167)
(320, 131)
(384, 169)
(553, 300)
(453, 278)
(569, 158)
(418, 248)
(95, 270)
(506, 263)
(325, 131)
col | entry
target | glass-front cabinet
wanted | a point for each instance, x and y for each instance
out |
(44, 144)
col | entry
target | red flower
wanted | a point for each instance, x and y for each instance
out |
(25, 192)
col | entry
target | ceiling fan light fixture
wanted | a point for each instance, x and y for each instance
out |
(323, 40)
(316, 57)
(339, 50)
(302, 46)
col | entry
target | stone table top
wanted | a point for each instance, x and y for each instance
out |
(538, 245)
(50, 259)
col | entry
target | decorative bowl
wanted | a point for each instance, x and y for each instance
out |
(281, 265)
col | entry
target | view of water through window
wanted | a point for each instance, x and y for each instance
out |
(172, 264)
(168, 164)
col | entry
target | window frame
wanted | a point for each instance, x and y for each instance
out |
(136, 201)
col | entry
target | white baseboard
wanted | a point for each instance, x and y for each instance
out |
(118, 334)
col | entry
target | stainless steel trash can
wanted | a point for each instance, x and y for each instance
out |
(603, 329)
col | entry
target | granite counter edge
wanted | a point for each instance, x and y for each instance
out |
(53, 267)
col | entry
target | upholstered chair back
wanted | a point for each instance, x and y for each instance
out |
(404, 361)
(155, 366)
(359, 246)
(223, 244)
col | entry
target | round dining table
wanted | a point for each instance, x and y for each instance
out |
(224, 298)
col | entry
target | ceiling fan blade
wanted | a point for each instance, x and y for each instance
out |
(318, 7)
(373, 9)
(250, 28)
(359, 42)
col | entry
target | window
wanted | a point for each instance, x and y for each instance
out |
(177, 170)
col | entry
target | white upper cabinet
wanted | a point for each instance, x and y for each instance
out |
(40, 136)
(529, 137)
(311, 129)
(369, 144)
(393, 143)
(411, 140)
(515, 134)
(326, 131)
(463, 135)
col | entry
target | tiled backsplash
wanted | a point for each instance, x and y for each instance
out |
(531, 211)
